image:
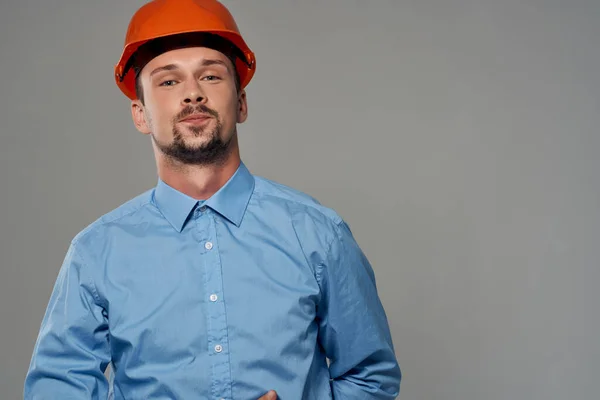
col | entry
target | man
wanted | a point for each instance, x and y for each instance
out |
(215, 284)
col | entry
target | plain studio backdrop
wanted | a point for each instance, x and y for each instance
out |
(458, 138)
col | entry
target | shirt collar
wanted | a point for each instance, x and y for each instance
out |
(230, 201)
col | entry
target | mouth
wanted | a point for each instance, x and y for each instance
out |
(196, 118)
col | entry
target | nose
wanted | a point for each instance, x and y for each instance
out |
(194, 94)
(192, 99)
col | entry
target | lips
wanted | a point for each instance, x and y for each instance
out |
(196, 118)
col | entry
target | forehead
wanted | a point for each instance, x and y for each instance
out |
(188, 57)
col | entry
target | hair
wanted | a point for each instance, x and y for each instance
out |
(155, 47)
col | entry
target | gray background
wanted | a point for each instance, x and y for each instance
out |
(458, 138)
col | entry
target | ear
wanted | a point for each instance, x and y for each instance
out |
(138, 115)
(242, 111)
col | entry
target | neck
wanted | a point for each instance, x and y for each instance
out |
(197, 181)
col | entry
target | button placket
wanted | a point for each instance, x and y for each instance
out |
(216, 319)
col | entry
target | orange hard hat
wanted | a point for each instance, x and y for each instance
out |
(161, 18)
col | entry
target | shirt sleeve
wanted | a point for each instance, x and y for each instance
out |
(71, 352)
(353, 327)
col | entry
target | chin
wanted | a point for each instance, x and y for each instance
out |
(192, 136)
(201, 138)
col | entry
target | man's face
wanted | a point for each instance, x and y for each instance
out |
(191, 106)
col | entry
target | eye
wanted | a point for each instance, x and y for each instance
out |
(169, 82)
(211, 78)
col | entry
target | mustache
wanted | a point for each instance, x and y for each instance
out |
(202, 109)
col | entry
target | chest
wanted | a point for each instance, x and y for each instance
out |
(178, 294)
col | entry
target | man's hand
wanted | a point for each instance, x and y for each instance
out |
(270, 395)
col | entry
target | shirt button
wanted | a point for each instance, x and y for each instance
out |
(218, 348)
(208, 245)
(213, 297)
(203, 208)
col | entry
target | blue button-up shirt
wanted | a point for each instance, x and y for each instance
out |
(259, 287)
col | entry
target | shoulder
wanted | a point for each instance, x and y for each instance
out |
(296, 201)
(313, 222)
(119, 216)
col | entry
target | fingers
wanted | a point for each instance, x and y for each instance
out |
(270, 395)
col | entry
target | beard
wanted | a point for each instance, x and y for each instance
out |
(212, 152)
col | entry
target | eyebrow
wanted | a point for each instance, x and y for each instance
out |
(168, 67)
(204, 63)
(208, 62)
